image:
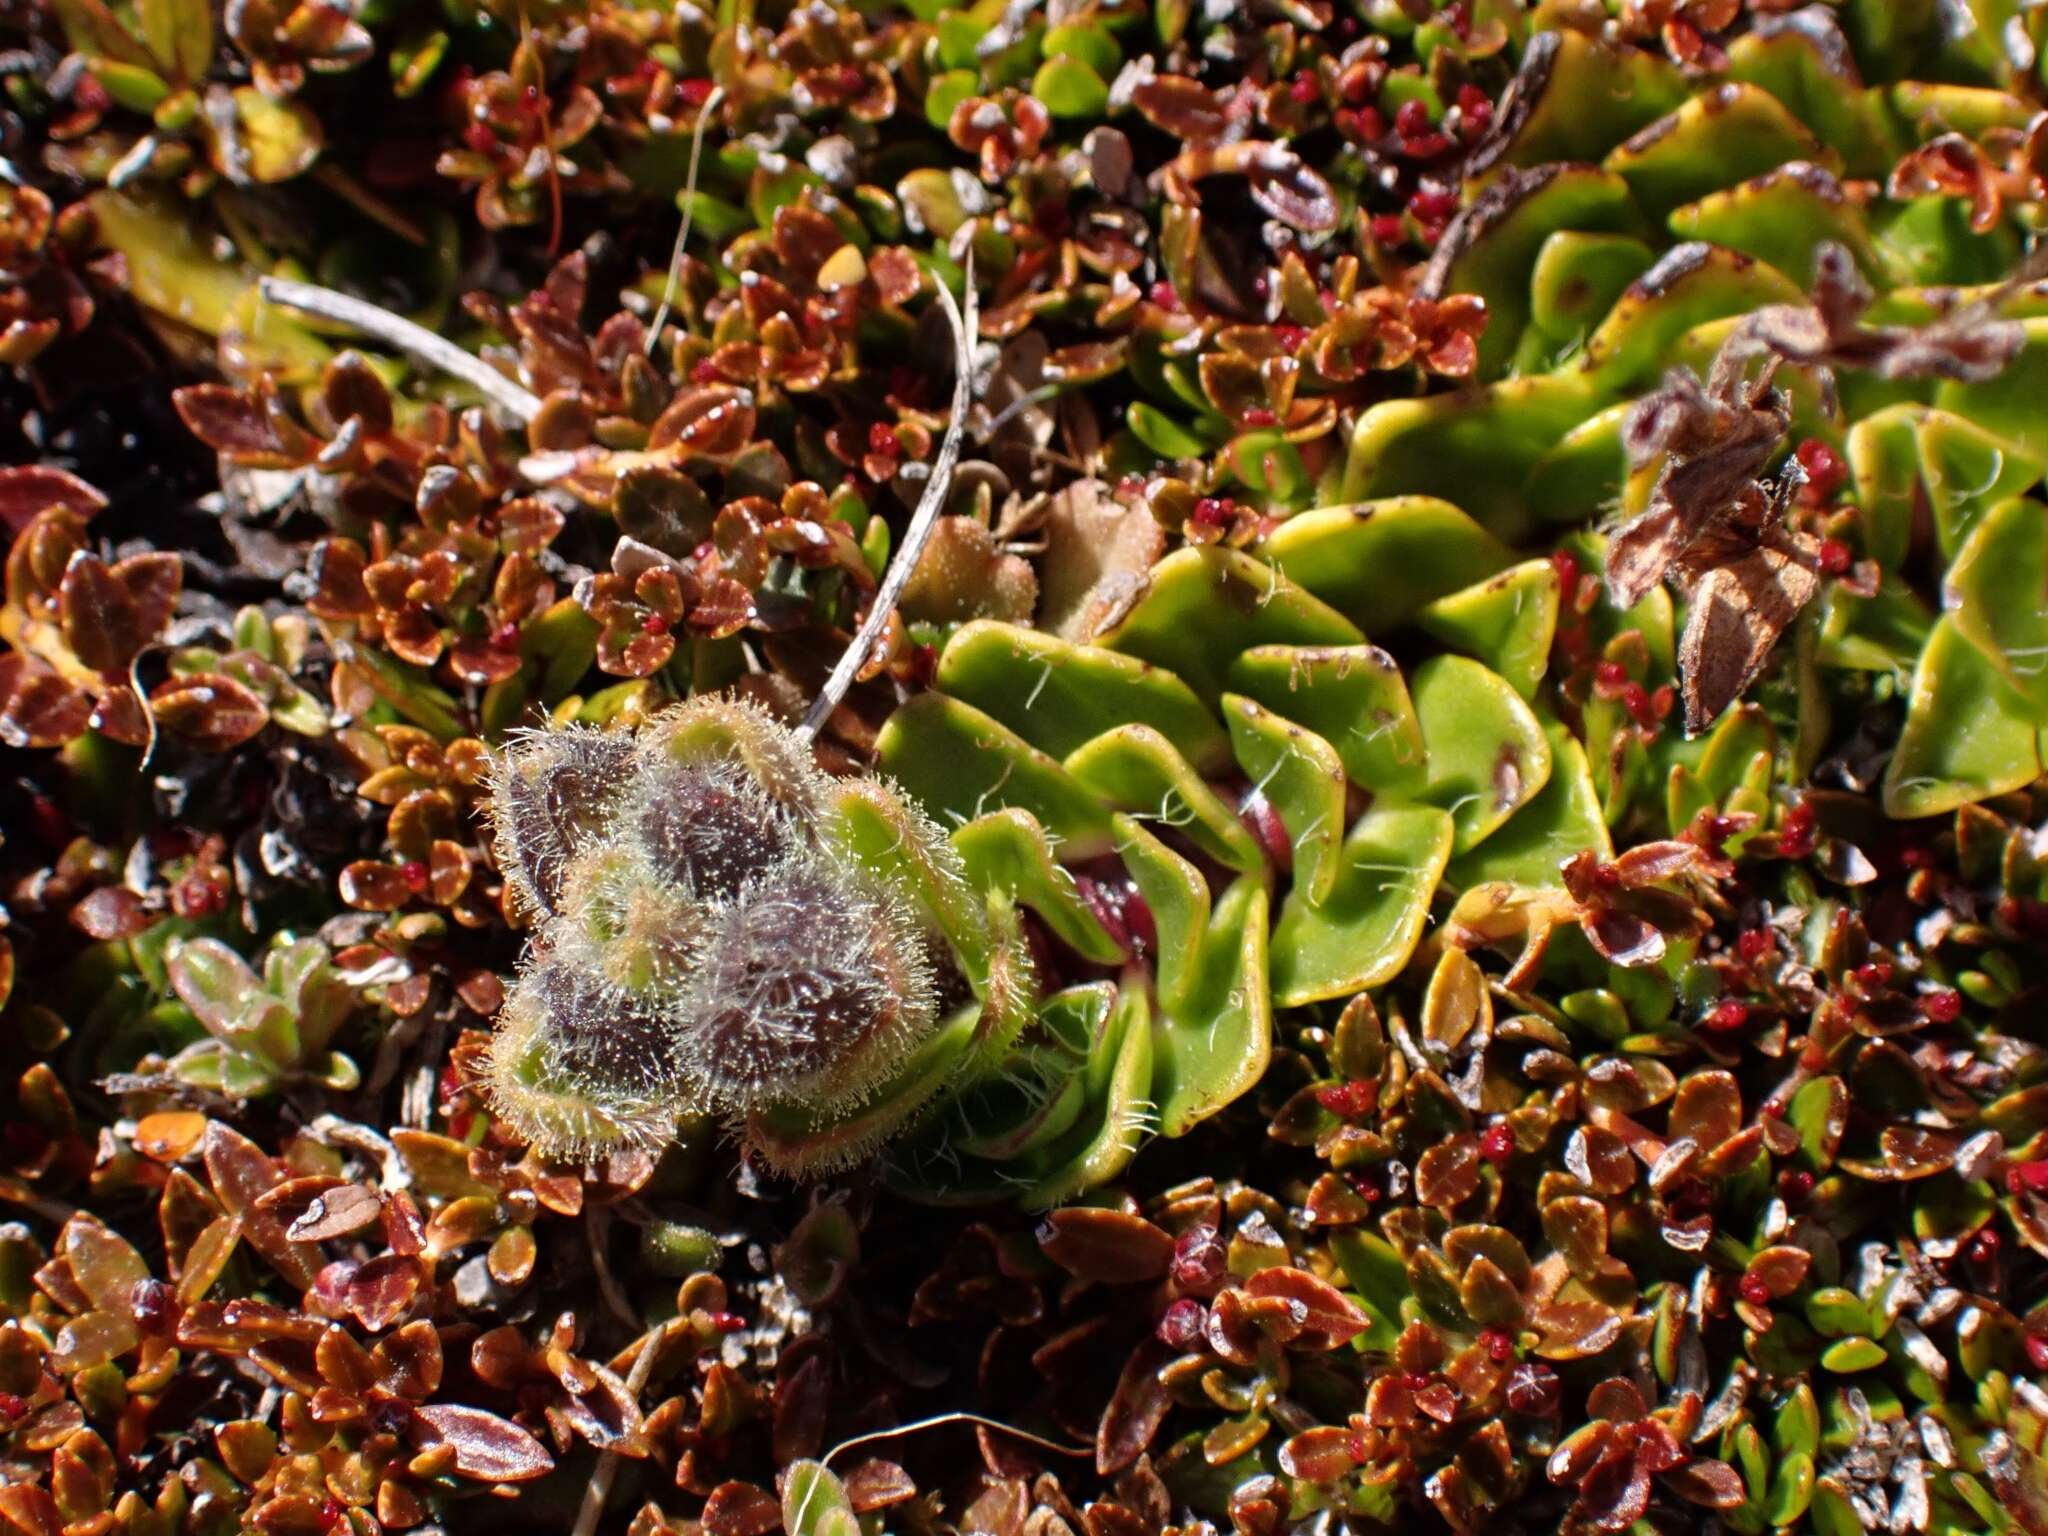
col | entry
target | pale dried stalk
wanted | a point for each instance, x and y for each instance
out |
(922, 521)
(402, 335)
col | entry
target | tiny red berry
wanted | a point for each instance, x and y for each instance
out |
(1635, 698)
(1943, 1005)
(1731, 1013)
(2028, 1177)
(2037, 1351)
(1433, 204)
(1350, 1100)
(1497, 1145)
(1754, 944)
(1825, 472)
(1795, 836)
(1755, 1291)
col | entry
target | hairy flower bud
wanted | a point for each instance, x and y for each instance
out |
(812, 989)
(551, 797)
(580, 1071)
(714, 939)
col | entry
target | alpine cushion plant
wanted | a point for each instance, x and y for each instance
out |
(1426, 908)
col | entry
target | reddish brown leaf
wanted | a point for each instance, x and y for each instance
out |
(236, 424)
(1183, 107)
(1319, 1455)
(335, 1212)
(1136, 1409)
(108, 613)
(211, 710)
(39, 708)
(111, 912)
(487, 1448)
(1110, 1246)
(1714, 1484)
(1332, 1318)
(381, 1291)
(716, 421)
(741, 1509)
(26, 489)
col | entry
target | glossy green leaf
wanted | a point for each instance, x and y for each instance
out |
(1487, 752)
(1136, 770)
(1968, 734)
(1363, 931)
(1059, 696)
(1302, 778)
(1508, 622)
(1353, 697)
(1207, 606)
(959, 763)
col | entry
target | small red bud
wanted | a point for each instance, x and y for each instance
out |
(1754, 944)
(1349, 1101)
(414, 873)
(1497, 1144)
(1731, 1013)
(1412, 120)
(1825, 472)
(1795, 1183)
(1943, 1005)
(1835, 557)
(1304, 88)
(1200, 1260)
(1755, 1291)
(1182, 1324)
(1260, 416)
(1499, 1343)
(2037, 1351)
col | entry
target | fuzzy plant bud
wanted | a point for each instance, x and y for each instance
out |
(725, 930)
(579, 1071)
(550, 798)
